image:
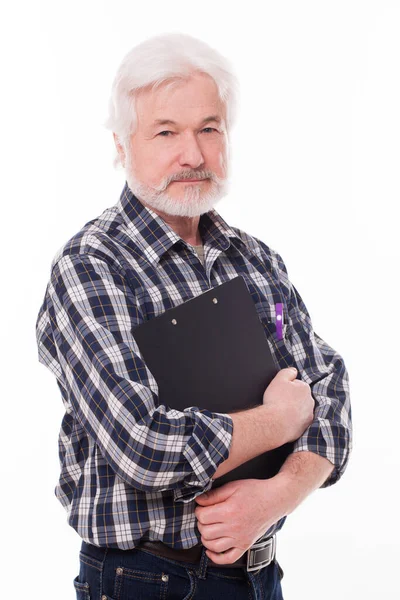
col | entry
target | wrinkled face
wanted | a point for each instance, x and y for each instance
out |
(177, 159)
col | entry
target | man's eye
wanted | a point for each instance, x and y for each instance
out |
(164, 133)
(209, 129)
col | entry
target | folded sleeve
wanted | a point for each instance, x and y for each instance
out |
(330, 434)
(92, 313)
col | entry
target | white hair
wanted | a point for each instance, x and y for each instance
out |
(171, 58)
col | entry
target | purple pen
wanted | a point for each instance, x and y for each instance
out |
(279, 320)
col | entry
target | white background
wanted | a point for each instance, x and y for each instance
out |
(315, 175)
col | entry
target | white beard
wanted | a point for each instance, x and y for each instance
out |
(194, 203)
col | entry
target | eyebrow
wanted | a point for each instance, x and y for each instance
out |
(215, 118)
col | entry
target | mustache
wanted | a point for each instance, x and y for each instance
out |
(204, 174)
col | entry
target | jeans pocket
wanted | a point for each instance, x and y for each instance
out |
(82, 590)
(138, 584)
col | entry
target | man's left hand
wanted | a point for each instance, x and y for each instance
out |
(231, 518)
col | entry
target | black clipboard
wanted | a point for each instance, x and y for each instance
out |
(211, 352)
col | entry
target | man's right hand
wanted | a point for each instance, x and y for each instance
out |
(285, 414)
(290, 404)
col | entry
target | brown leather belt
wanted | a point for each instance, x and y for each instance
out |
(259, 555)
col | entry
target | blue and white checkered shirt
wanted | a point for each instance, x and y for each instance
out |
(131, 466)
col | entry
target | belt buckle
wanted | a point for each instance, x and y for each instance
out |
(261, 554)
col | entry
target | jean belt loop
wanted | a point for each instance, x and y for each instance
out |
(202, 572)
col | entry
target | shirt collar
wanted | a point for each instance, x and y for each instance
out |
(156, 237)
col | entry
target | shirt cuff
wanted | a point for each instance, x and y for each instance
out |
(330, 440)
(207, 450)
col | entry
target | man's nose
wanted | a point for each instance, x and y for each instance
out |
(190, 152)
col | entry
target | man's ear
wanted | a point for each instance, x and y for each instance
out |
(120, 149)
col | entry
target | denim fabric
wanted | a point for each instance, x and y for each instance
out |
(110, 574)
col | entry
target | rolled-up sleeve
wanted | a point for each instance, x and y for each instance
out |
(92, 316)
(330, 434)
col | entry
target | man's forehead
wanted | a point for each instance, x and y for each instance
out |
(167, 115)
(197, 98)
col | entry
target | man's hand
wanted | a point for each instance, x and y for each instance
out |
(290, 404)
(231, 518)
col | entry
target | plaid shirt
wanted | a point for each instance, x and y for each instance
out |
(131, 466)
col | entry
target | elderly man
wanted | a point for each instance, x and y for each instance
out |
(135, 472)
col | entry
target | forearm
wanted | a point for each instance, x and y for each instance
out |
(254, 432)
(286, 411)
(301, 474)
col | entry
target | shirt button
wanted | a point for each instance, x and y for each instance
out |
(165, 577)
(104, 598)
(120, 571)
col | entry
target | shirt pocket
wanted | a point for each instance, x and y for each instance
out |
(279, 345)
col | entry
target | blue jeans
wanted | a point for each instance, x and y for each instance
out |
(109, 574)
